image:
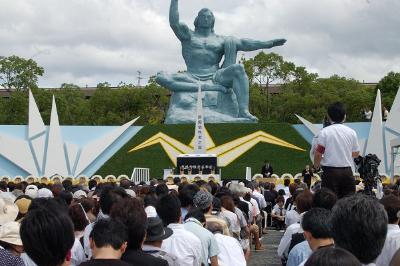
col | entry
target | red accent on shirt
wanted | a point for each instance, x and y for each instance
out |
(320, 149)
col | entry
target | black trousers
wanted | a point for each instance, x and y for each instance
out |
(339, 179)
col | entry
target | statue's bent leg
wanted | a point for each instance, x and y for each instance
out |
(235, 77)
(180, 82)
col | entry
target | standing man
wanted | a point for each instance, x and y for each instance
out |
(307, 175)
(267, 170)
(336, 146)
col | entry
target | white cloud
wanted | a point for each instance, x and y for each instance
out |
(91, 41)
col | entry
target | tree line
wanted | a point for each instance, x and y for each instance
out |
(301, 92)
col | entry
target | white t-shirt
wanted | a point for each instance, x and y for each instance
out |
(337, 142)
(184, 245)
(231, 251)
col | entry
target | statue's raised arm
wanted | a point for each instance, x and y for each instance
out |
(253, 45)
(181, 30)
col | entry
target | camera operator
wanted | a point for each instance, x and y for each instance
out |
(336, 146)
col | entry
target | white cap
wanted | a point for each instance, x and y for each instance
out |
(45, 193)
(8, 209)
(79, 194)
(31, 191)
(131, 193)
(150, 211)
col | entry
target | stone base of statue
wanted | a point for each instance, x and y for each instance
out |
(218, 107)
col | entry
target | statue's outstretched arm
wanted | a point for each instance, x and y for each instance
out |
(252, 45)
(181, 30)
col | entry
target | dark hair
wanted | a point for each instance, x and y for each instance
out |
(317, 222)
(150, 200)
(187, 193)
(281, 192)
(109, 196)
(66, 196)
(169, 209)
(109, 232)
(47, 236)
(177, 180)
(130, 211)
(88, 204)
(359, 225)
(286, 182)
(324, 198)
(11, 186)
(280, 199)
(292, 188)
(50, 204)
(92, 183)
(78, 216)
(337, 112)
(304, 201)
(227, 203)
(3, 185)
(161, 190)
(67, 184)
(197, 214)
(392, 207)
(332, 256)
(125, 183)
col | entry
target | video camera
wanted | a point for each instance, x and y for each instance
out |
(368, 169)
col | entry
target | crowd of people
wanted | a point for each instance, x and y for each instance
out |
(193, 224)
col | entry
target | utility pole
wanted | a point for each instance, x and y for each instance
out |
(139, 78)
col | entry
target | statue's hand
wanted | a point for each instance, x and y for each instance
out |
(279, 42)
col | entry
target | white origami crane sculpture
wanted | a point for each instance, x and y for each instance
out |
(45, 153)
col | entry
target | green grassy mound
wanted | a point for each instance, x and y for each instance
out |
(283, 160)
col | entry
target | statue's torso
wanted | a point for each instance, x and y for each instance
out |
(203, 54)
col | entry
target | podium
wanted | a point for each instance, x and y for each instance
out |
(197, 164)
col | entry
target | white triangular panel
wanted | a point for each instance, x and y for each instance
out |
(18, 152)
(310, 126)
(72, 153)
(38, 146)
(36, 125)
(375, 143)
(362, 143)
(389, 138)
(55, 157)
(393, 121)
(93, 150)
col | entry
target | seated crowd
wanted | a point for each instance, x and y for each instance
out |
(196, 223)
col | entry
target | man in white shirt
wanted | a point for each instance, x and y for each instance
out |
(336, 146)
(231, 253)
(392, 242)
(183, 244)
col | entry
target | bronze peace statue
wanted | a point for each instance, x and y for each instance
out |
(225, 88)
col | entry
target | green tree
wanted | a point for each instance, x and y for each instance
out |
(389, 86)
(19, 73)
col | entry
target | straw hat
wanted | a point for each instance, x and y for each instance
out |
(9, 233)
(23, 205)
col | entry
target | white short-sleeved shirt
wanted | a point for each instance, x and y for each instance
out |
(184, 245)
(231, 251)
(337, 143)
(392, 244)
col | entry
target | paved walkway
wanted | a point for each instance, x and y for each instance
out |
(268, 257)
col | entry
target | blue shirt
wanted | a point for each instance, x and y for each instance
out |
(299, 253)
(208, 242)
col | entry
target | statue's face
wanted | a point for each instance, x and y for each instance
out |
(205, 19)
